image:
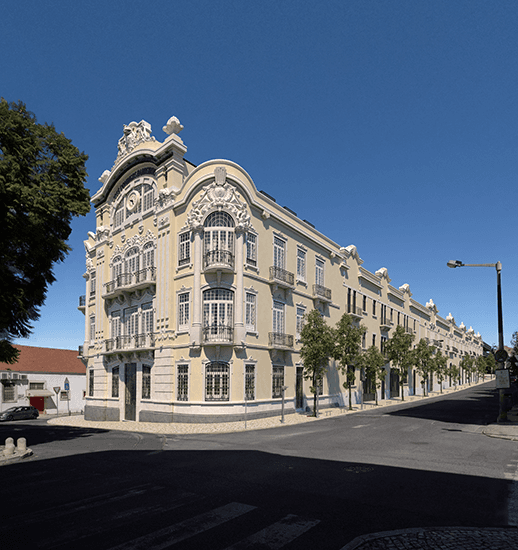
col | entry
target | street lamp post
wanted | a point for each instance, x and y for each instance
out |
(502, 417)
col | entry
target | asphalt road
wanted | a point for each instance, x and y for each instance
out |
(315, 485)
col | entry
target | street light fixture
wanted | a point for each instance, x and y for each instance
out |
(501, 354)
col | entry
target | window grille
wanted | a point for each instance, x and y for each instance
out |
(249, 382)
(183, 383)
(115, 382)
(277, 381)
(217, 378)
(91, 383)
(146, 382)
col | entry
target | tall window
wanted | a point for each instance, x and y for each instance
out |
(119, 215)
(217, 378)
(278, 317)
(279, 253)
(91, 383)
(148, 197)
(148, 255)
(132, 260)
(218, 238)
(92, 328)
(92, 284)
(115, 382)
(131, 321)
(374, 308)
(116, 324)
(183, 311)
(301, 265)
(277, 381)
(146, 382)
(116, 267)
(251, 249)
(147, 318)
(182, 384)
(184, 249)
(300, 320)
(365, 303)
(250, 313)
(319, 272)
(218, 313)
(249, 382)
(373, 339)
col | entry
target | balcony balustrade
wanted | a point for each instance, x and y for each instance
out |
(127, 282)
(218, 260)
(355, 312)
(279, 340)
(218, 334)
(82, 303)
(322, 293)
(130, 342)
(281, 278)
(386, 324)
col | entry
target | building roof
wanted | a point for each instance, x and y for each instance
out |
(46, 360)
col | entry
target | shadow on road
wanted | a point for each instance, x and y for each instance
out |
(36, 434)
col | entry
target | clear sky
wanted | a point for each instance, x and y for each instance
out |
(390, 125)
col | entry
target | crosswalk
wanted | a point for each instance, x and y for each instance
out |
(153, 517)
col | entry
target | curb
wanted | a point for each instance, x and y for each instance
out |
(16, 457)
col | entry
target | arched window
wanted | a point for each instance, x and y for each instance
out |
(218, 320)
(148, 255)
(132, 260)
(219, 239)
(117, 267)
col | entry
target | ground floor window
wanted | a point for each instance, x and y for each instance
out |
(91, 383)
(115, 382)
(9, 393)
(217, 378)
(182, 385)
(146, 382)
(249, 382)
(277, 381)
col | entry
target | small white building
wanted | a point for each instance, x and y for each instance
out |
(52, 380)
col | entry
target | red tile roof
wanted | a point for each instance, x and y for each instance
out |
(32, 359)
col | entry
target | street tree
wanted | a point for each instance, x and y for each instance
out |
(347, 348)
(480, 366)
(317, 348)
(400, 354)
(42, 177)
(468, 364)
(453, 372)
(490, 363)
(440, 367)
(372, 362)
(424, 361)
(514, 342)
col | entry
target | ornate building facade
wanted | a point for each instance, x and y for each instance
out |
(197, 285)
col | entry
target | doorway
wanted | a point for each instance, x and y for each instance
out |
(130, 379)
(299, 388)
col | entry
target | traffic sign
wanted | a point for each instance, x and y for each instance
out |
(501, 355)
(67, 384)
(57, 389)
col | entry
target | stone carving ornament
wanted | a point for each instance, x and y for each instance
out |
(133, 134)
(219, 195)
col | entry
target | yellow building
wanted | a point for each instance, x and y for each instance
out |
(196, 287)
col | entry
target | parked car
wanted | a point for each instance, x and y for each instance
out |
(19, 413)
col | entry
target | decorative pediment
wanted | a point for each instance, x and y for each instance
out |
(133, 134)
(136, 240)
(219, 195)
(383, 274)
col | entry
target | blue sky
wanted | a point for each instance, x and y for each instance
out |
(391, 125)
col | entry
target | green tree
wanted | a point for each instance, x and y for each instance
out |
(440, 367)
(424, 361)
(514, 342)
(42, 178)
(467, 363)
(454, 371)
(317, 348)
(400, 354)
(347, 348)
(480, 366)
(490, 363)
(372, 362)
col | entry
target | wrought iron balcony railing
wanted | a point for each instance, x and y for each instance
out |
(322, 293)
(130, 342)
(355, 311)
(219, 259)
(281, 277)
(218, 334)
(130, 281)
(279, 340)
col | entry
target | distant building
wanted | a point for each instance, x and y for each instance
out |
(196, 289)
(33, 379)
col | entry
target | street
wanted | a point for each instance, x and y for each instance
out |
(315, 485)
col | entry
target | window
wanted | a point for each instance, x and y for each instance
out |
(373, 339)
(300, 320)
(183, 311)
(132, 260)
(249, 382)
(319, 272)
(217, 377)
(278, 317)
(146, 382)
(36, 385)
(364, 340)
(149, 197)
(218, 320)
(182, 385)
(251, 249)
(301, 265)
(374, 308)
(92, 284)
(116, 267)
(184, 249)
(91, 383)
(131, 321)
(148, 255)
(115, 382)
(147, 318)
(116, 324)
(9, 393)
(279, 252)
(277, 381)
(365, 303)
(218, 238)
(92, 328)
(119, 215)
(250, 311)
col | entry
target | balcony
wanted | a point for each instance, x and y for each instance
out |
(321, 293)
(128, 282)
(278, 340)
(218, 260)
(130, 343)
(281, 278)
(355, 312)
(386, 324)
(218, 335)
(82, 303)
